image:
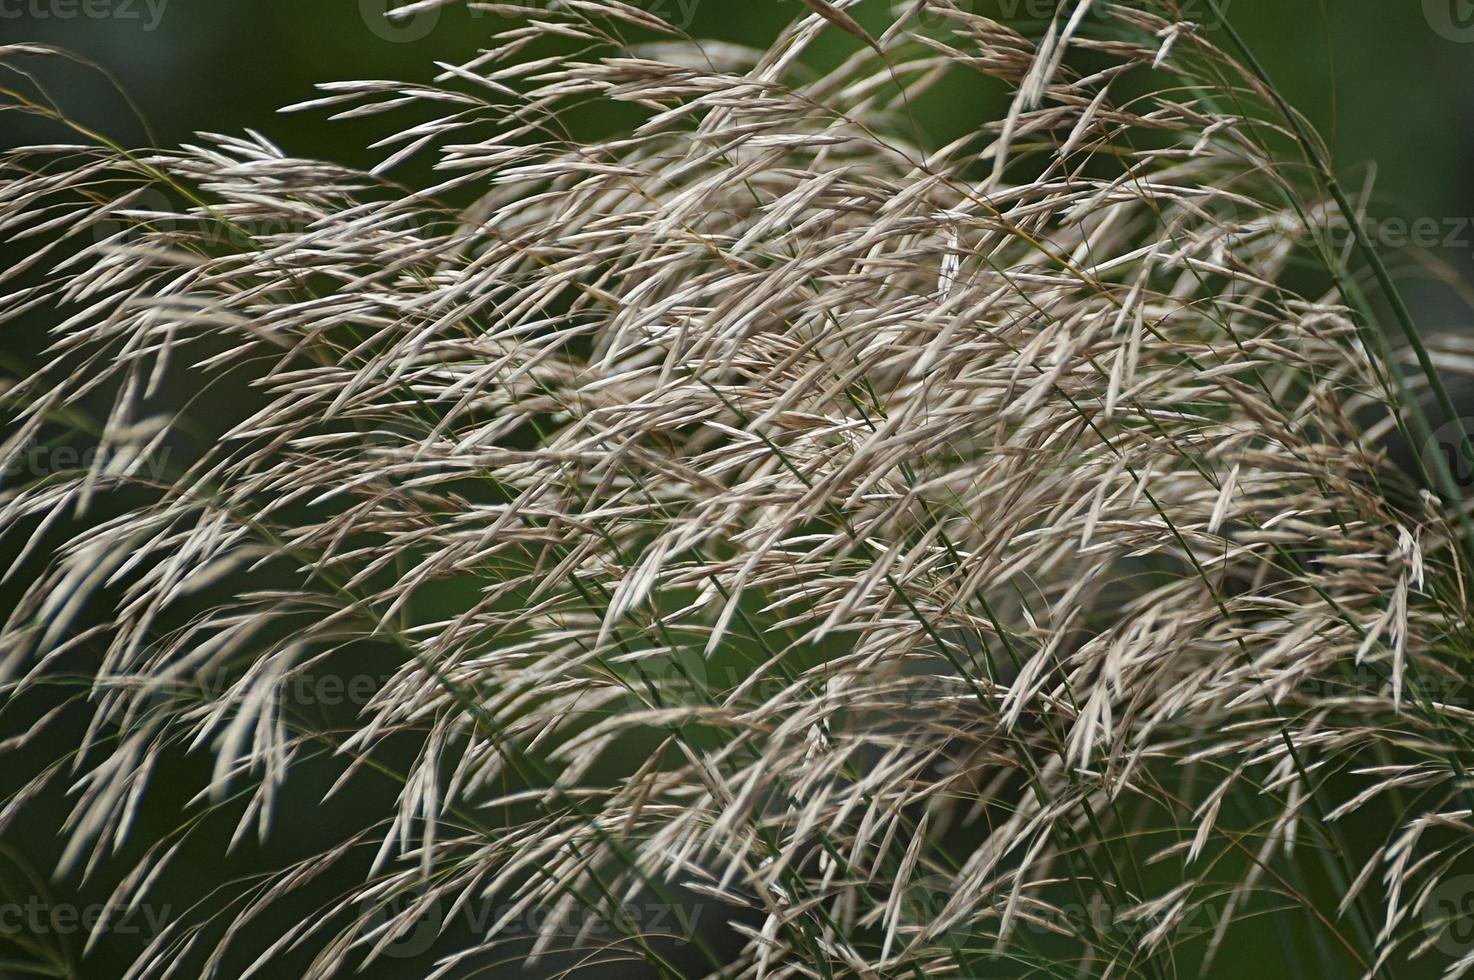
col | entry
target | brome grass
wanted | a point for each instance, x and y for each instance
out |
(962, 559)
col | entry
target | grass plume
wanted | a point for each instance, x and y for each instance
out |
(898, 551)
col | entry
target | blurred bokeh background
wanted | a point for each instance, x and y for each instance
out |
(1386, 83)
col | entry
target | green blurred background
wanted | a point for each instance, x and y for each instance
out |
(1387, 83)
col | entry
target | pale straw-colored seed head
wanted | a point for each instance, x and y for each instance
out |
(897, 547)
